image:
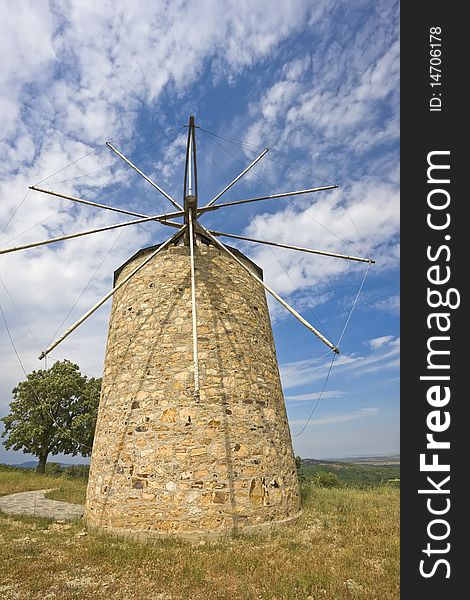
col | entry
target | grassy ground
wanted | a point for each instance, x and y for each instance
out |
(346, 545)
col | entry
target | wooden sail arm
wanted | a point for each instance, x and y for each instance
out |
(164, 217)
(289, 247)
(108, 295)
(207, 208)
(270, 290)
(226, 188)
(82, 233)
(152, 183)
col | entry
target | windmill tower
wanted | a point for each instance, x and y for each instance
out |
(192, 435)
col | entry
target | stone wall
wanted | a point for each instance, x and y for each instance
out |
(163, 460)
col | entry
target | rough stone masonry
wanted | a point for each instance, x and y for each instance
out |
(164, 461)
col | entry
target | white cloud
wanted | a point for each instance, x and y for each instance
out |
(27, 52)
(303, 372)
(341, 99)
(298, 399)
(380, 341)
(281, 93)
(296, 68)
(361, 413)
(390, 304)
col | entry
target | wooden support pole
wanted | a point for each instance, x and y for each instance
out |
(193, 306)
(108, 295)
(271, 291)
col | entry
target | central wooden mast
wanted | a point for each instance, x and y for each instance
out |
(190, 180)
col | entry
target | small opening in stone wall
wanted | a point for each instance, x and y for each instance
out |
(129, 308)
(188, 422)
(135, 404)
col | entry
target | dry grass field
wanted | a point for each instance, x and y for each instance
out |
(346, 545)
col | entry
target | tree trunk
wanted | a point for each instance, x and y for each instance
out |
(41, 468)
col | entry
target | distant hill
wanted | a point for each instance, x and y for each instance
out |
(390, 459)
(359, 471)
(32, 464)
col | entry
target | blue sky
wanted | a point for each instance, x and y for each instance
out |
(317, 83)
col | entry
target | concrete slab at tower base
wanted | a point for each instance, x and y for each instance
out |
(144, 536)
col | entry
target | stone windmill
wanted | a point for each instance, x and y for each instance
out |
(192, 435)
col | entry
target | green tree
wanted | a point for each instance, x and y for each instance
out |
(53, 411)
(300, 472)
(326, 479)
